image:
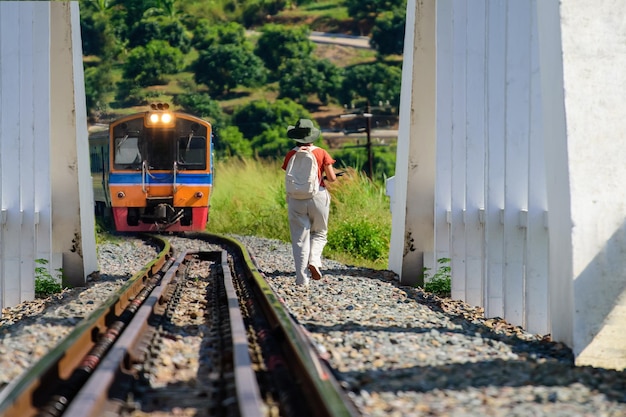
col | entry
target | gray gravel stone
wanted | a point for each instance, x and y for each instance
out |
(397, 350)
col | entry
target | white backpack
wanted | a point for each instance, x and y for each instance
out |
(301, 177)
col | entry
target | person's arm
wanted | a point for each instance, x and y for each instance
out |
(330, 173)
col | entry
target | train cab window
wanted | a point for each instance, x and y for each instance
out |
(127, 155)
(160, 149)
(192, 152)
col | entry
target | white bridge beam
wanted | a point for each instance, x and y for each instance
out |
(46, 209)
(526, 195)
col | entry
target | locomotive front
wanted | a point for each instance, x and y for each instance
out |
(161, 172)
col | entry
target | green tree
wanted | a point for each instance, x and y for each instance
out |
(160, 28)
(201, 105)
(207, 34)
(255, 12)
(264, 124)
(278, 44)
(229, 142)
(388, 32)
(370, 9)
(375, 83)
(272, 143)
(102, 29)
(300, 79)
(164, 8)
(148, 65)
(134, 10)
(224, 67)
(383, 162)
(98, 82)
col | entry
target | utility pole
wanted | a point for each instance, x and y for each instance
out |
(368, 129)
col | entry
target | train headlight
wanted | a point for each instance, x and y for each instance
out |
(159, 119)
(120, 194)
(199, 194)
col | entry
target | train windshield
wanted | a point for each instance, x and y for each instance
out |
(160, 152)
(192, 152)
(127, 154)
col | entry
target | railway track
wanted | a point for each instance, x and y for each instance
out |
(250, 358)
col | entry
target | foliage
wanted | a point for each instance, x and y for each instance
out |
(148, 65)
(383, 161)
(45, 283)
(300, 79)
(160, 28)
(388, 32)
(249, 199)
(362, 238)
(224, 67)
(100, 33)
(201, 105)
(360, 221)
(229, 142)
(207, 34)
(232, 72)
(370, 9)
(441, 282)
(98, 82)
(256, 11)
(278, 44)
(375, 83)
(259, 116)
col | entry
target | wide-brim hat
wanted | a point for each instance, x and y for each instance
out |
(304, 131)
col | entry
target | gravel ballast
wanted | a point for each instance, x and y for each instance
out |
(397, 350)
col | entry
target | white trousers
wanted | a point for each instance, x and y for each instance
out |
(308, 224)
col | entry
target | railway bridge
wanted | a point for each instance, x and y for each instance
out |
(510, 159)
(45, 187)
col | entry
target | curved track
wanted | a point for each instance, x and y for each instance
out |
(252, 358)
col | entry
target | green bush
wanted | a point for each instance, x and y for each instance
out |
(148, 65)
(45, 283)
(249, 199)
(361, 238)
(441, 282)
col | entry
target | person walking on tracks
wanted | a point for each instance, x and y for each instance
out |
(307, 169)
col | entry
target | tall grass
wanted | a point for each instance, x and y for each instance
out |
(249, 199)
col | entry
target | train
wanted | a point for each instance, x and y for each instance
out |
(153, 171)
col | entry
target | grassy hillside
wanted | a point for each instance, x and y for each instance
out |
(326, 16)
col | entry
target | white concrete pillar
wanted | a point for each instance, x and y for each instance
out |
(586, 175)
(73, 226)
(488, 184)
(495, 96)
(46, 207)
(443, 191)
(24, 157)
(414, 192)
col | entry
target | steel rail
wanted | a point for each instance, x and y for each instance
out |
(248, 395)
(325, 395)
(92, 396)
(24, 396)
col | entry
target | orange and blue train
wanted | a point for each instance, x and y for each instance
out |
(153, 171)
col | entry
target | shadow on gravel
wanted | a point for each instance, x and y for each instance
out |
(14, 319)
(496, 373)
(541, 362)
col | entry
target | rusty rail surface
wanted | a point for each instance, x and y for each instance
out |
(90, 372)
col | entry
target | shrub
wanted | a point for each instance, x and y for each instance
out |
(360, 238)
(441, 282)
(45, 283)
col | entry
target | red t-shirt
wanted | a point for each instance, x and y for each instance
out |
(323, 159)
